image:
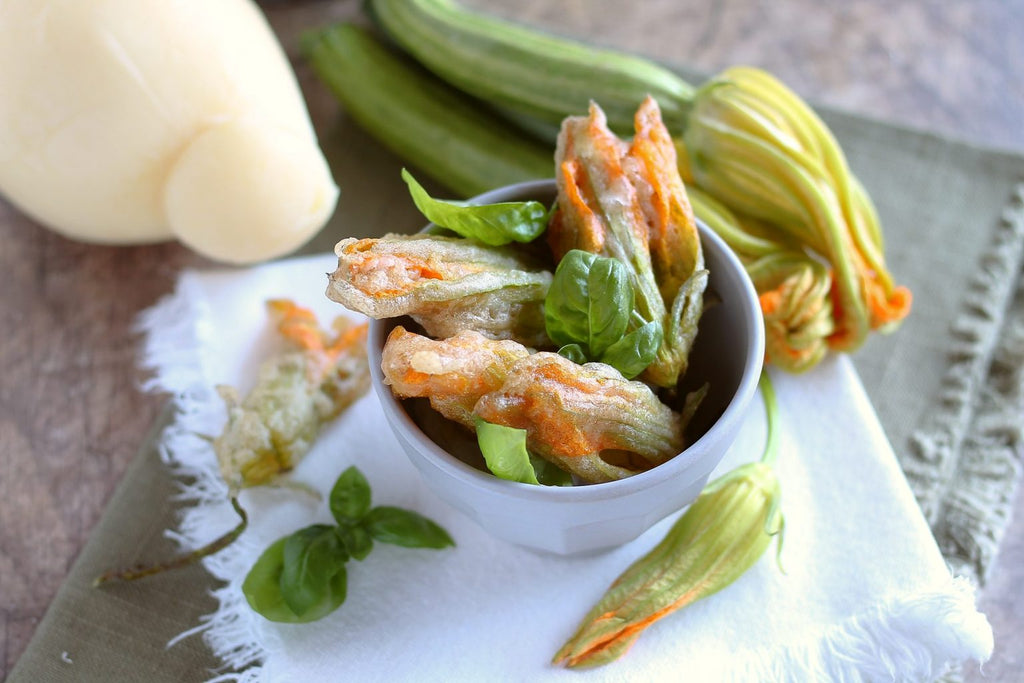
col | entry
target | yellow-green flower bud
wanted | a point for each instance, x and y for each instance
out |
(793, 287)
(715, 541)
(757, 147)
(719, 537)
(794, 292)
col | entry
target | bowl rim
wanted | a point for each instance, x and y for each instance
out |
(455, 468)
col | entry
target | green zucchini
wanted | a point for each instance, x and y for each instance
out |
(527, 71)
(446, 134)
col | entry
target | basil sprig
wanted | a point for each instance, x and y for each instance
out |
(504, 450)
(589, 312)
(302, 577)
(492, 224)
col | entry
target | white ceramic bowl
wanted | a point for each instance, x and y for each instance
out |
(584, 519)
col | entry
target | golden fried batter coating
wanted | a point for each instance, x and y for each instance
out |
(575, 414)
(628, 202)
(651, 166)
(453, 373)
(296, 392)
(446, 284)
(587, 419)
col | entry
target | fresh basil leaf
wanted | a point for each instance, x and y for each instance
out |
(350, 497)
(312, 557)
(504, 451)
(492, 224)
(589, 302)
(567, 304)
(634, 352)
(262, 589)
(611, 300)
(406, 528)
(356, 539)
(573, 352)
(262, 585)
(549, 474)
(302, 577)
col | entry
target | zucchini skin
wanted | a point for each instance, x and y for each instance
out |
(427, 123)
(527, 71)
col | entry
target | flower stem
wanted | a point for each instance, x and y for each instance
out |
(771, 410)
(185, 560)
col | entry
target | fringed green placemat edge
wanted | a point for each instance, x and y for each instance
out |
(964, 462)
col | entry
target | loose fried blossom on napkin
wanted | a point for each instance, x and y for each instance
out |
(866, 594)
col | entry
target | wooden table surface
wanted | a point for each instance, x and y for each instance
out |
(71, 411)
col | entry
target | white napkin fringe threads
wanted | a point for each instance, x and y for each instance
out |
(173, 331)
(910, 638)
(903, 638)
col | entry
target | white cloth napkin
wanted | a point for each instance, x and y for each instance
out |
(865, 594)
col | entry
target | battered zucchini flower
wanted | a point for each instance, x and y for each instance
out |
(652, 169)
(757, 147)
(794, 288)
(628, 202)
(586, 419)
(296, 392)
(453, 373)
(445, 284)
(269, 431)
(722, 534)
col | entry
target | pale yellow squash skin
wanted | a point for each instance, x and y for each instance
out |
(136, 121)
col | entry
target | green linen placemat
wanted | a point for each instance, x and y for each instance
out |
(947, 387)
(121, 632)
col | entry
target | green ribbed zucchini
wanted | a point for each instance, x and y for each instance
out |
(427, 123)
(527, 71)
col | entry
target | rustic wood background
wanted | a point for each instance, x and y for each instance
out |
(71, 411)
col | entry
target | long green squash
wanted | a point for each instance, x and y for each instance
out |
(526, 71)
(432, 126)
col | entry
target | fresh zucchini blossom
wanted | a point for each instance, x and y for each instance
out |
(627, 202)
(756, 146)
(793, 287)
(719, 537)
(690, 563)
